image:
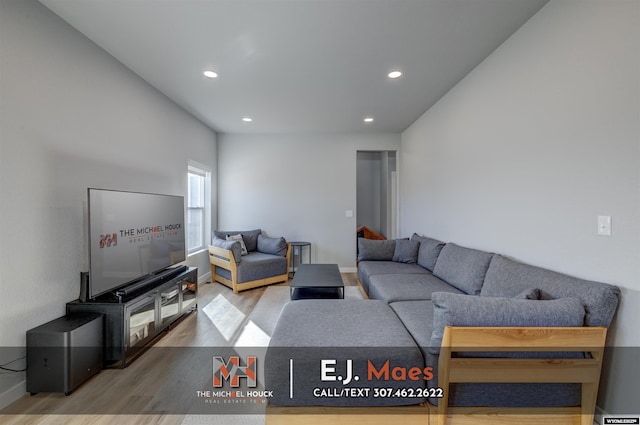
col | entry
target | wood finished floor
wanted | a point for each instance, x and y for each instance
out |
(131, 389)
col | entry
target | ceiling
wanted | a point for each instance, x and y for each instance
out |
(300, 66)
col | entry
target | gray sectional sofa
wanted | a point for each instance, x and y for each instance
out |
(433, 288)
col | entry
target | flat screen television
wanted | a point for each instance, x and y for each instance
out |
(132, 236)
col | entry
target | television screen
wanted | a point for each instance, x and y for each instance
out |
(132, 235)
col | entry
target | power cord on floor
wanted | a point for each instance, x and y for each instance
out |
(3, 366)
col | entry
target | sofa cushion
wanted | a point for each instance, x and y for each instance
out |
(309, 331)
(275, 246)
(366, 269)
(417, 317)
(257, 265)
(403, 287)
(406, 251)
(468, 310)
(463, 268)
(506, 278)
(506, 394)
(429, 251)
(375, 250)
(234, 246)
(250, 237)
(238, 238)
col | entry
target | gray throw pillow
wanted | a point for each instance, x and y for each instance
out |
(429, 251)
(234, 246)
(470, 310)
(529, 294)
(375, 250)
(275, 246)
(238, 238)
(406, 251)
(250, 237)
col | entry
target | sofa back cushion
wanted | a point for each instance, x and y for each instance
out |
(469, 310)
(463, 268)
(376, 250)
(506, 278)
(274, 246)
(250, 237)
(428, 252)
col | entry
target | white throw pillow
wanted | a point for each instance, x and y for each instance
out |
(238, 237)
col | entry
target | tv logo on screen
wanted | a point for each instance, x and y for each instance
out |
(232, 371)
(108, 240)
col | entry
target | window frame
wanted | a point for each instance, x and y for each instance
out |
(205, 207)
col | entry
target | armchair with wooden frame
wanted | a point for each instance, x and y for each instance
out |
(253, 270)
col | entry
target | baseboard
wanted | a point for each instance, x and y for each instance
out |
(13, 394)
(205, 277)
(348, 269)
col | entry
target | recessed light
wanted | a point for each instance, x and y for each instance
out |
(210, 74)
(368, 119)
(394, 74)
(247, 119)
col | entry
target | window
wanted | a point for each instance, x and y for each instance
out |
(197, 208)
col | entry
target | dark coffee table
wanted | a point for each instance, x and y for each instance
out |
(313, 281)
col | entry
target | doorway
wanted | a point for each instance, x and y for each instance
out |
(377, 192)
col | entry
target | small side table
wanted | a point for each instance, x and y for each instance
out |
(296, 248)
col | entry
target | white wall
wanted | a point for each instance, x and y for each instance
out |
(71, 117)
(523, 155)
(296, 186)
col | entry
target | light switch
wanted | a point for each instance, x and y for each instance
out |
(604, 225)
(348, 213)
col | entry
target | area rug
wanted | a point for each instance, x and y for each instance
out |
(266, 312)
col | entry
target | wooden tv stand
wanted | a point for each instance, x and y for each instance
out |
(134, 322)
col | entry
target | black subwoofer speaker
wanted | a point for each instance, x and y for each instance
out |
(64, 353)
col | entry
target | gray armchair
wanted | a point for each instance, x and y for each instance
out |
(249, 261)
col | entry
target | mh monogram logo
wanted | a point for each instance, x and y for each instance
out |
(108, 240)
(232, 370)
